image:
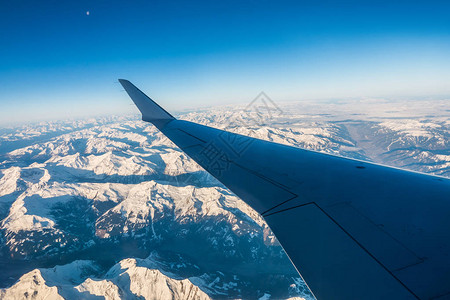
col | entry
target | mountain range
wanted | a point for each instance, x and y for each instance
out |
(109, 208)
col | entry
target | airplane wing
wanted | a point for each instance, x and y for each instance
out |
(353, 229)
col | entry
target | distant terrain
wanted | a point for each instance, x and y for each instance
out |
(110, 208)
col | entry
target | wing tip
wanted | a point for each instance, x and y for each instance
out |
(151, 111)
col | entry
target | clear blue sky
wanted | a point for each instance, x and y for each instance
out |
(56, 60)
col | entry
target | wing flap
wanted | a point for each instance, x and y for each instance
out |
(332, 264)
(390, 252)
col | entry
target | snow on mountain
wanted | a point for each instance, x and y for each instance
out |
(78, 280)
(178, 163)
(31, 286)
(104, 164)
(9, 180)
(419, 144)
(151, 283)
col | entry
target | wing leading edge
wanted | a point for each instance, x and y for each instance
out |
(353, 230)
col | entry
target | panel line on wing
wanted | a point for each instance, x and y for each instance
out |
(285, 209)
(191, 135)
(421, 260)
(256, 173)
(280, 205)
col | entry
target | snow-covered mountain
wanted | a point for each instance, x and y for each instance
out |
(109, 207)
(128, 279)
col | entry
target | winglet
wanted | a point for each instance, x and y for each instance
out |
(151, 111)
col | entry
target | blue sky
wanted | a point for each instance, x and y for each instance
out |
(58, 61)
